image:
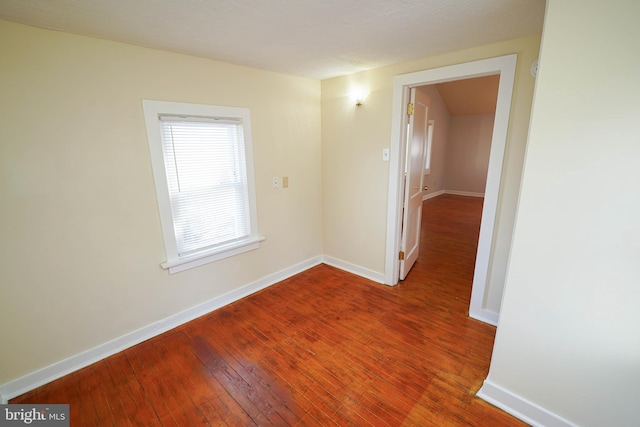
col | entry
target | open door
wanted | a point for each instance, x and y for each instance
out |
(506, 67)
(414, 174)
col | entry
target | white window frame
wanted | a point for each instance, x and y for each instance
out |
(153, 110)
(427, 166)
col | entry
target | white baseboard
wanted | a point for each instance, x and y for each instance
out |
(355, 269)
(464, 193)
(520, 407)
(432, 195)
(454, 192)
(52, 372)
(484, 315)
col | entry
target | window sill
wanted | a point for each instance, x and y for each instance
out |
(195, 260)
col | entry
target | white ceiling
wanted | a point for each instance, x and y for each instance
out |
(312, 38)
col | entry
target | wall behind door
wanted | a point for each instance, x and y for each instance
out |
(467, 157)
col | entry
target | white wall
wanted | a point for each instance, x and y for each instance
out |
(569, 332)
(468, 149)
(80, 230)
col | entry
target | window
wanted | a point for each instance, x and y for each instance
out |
(203, 171)
(427, 164)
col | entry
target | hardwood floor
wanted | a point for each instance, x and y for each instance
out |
(322, 348)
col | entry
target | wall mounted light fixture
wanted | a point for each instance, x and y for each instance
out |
(358, 97)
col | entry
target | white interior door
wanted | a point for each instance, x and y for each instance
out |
(414, 175)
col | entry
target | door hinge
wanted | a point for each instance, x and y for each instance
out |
(401, 256)
(410, 109)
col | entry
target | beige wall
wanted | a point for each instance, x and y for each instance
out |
(82, 243)
(440, 115)
(355, 179)
(569, 337)
(468, 148)
(80, 230)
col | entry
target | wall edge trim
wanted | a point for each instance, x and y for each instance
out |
(432, 195)
(78, 361)
(520, 407)
(354, 269)
(484, 315)
(464, 193)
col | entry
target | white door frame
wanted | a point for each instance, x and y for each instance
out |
(506, 67)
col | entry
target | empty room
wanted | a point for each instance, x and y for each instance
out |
(259, 213)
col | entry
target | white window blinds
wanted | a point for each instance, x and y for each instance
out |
(207, 180)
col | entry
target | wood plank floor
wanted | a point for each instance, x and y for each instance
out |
(321, 348)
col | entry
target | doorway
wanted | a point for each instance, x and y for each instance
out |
(505, 67)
